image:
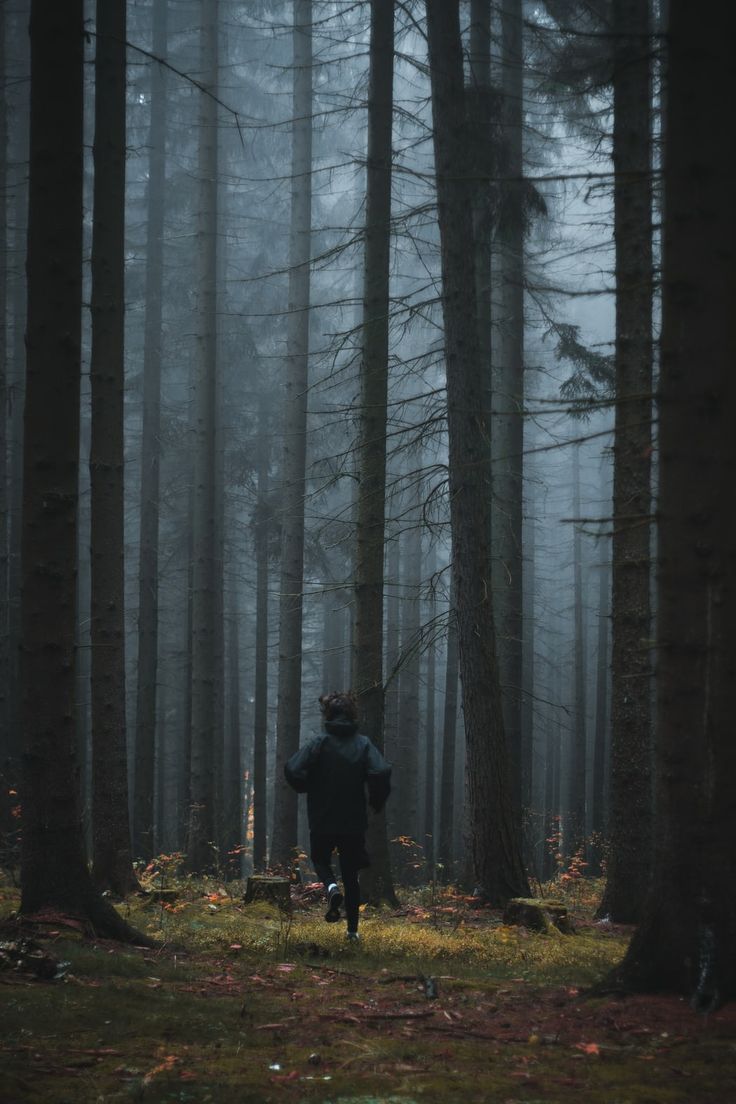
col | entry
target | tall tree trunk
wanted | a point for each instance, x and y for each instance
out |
(508, 397)
(369, 568)
(446, 846)
(430, 738)
(494, 831)
(293, 465)
(529, 790)
(685, 941)
(147, 670)
(260, 691)
(112, 866)
(392, 653)
(54, 871)
(206, 736)
(629, 864)
(600, 741)
(7, 767)
(577, 749)
(232, 799)
(408, 730)
(15, 26)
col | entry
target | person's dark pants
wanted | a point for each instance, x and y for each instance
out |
(353, 858)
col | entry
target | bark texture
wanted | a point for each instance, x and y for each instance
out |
(147, 671)
(294, 461)
(369, 569)
(686, 940)
(112, 866)
(206, 736)
(54, 871)
(508, 396)
(493, 830)
(629, 862)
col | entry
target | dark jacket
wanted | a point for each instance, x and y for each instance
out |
(334, 770)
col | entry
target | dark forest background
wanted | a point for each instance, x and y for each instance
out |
(386, 346)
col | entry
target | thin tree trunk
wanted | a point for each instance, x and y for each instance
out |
(577, 749)
(408, 730)
(430, 736)
(147, 670)
(232, 800)
(206, 736)
(600, 745)
(494, 831)
(15, 198)
(685, 941)
(629, 863)
(508, 398)
(369, 568)
(54, 871)
(7, 767)
(260, 692)
(293, 466)
(112, 867)
(392, 652)
(446, 848)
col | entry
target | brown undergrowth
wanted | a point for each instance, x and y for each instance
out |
(440, 1002)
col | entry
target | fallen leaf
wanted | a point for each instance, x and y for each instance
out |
(588, 1048)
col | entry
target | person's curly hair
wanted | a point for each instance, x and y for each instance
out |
(340, 703)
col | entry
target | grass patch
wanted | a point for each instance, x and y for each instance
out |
(242, 1005)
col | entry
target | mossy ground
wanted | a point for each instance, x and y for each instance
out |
(241, 1005)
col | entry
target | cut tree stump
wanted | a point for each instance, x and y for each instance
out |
(538, 914)
(276, 891)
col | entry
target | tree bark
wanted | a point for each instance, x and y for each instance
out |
(629, 862)
(293, 465)
(430, 736)
(685, 942)
(232, 790)
(508, 394)
(147, 671)
(574, 826)
(54, 872)
(260, 690)
(494, 831)
(408, 729)
(369, 568)
(112, 867)
(206, 735)
(446, 846)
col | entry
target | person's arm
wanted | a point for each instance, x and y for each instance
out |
(378, 778)
(297, 769)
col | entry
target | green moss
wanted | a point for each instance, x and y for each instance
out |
(251, 991)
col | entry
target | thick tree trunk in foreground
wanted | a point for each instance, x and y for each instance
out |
(293, 469)
(54, 871)
(629, 862)
(206, 734)
(112, 866)
(687, 936)
(147, 675)
(369, 571)
(494, 831)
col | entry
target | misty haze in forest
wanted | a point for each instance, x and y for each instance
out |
(360, 346)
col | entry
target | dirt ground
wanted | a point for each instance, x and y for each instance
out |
(438, 1004)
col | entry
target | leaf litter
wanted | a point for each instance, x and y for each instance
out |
(234, 1009)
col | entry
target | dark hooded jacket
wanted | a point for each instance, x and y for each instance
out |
(338, 770)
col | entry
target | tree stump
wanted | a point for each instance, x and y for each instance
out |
(276, 891)
(538, 914)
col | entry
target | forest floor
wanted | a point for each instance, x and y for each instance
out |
(441, 1002)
